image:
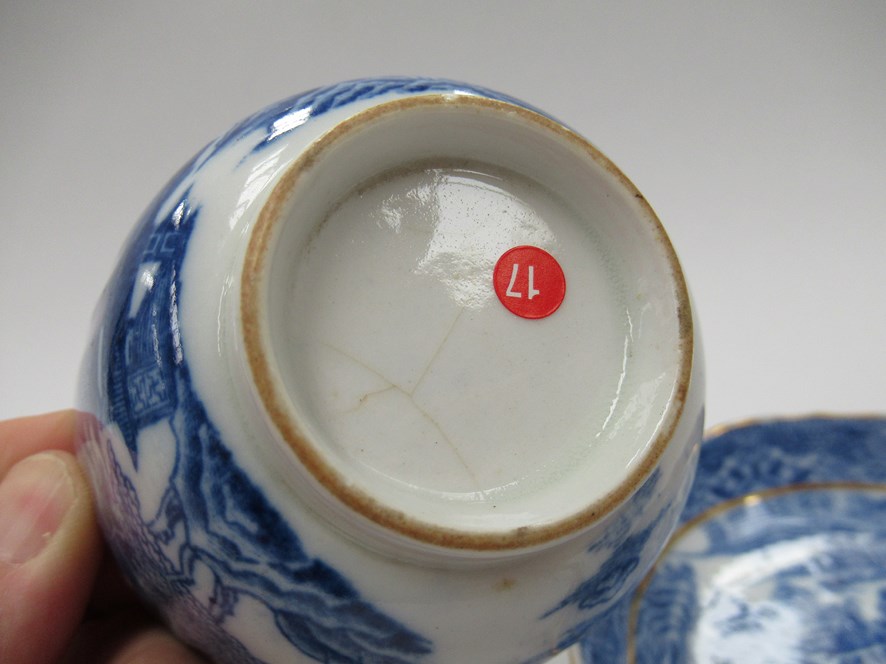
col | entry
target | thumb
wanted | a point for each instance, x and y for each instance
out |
(50, 550)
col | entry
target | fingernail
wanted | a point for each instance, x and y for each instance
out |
(35, 495)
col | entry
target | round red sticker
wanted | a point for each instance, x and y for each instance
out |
(529, 282)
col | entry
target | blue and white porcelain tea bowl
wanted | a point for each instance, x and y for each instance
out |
(397, 370)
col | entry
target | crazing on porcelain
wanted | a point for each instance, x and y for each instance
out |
(199, 519)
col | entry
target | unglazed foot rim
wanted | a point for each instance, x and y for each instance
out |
(341, 477)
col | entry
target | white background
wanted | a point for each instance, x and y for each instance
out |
(756, 129)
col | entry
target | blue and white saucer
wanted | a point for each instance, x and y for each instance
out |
(780, 555)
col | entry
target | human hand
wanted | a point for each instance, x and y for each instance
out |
(61, 599)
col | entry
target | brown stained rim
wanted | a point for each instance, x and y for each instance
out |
(252, 299)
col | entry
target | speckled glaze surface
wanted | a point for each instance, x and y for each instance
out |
(396, 370)
(780, 555)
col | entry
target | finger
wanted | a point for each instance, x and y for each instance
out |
(25, 436)
(128, 638)
(50, 550)
(111, 593)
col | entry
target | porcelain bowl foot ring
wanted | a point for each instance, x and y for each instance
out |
(396, 370)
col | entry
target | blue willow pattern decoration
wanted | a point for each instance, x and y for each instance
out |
(624, 551)
(829, 605)
(212, 517)
(230, 528)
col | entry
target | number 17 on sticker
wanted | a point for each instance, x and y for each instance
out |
(529, 282)
(515, 271)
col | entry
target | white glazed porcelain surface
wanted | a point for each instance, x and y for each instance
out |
(399, 365)
(403, 375)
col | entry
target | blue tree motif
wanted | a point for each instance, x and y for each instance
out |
(212, 515)
(837, 590)
(218, 517)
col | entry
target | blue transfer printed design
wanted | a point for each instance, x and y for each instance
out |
(826, 605)
(774, 454)
(213, 519)
(625, 551)
(281, 118)
(249, 549)
(212, 515)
